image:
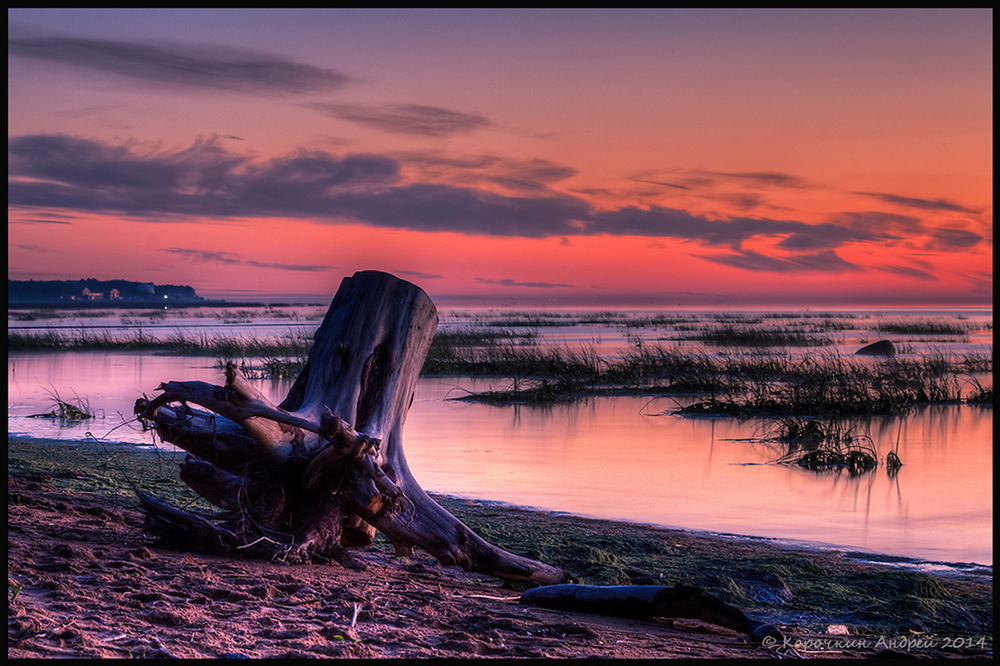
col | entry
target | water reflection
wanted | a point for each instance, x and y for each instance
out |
(612, 457)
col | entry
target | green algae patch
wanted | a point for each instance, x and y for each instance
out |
(781, 584)
(108, 469)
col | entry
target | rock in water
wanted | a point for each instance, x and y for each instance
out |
(880, 348)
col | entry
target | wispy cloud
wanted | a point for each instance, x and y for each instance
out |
(658, 182)
(761, 178)
(827, 261)
(923, 204)
(31, 247)
(416, 119)
(530, 176)
(213, 256)
(696, 179)
(906, 271)
(191, 65)
(878, 222)
(37, 220)
(515, 283)
(422, 276)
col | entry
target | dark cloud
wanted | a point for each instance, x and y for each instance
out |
(515, 283)
(406, 118)
(906, 271)
(29, 247)
(952, 239)
(761, 178)
(827, 261)
(422, 276)
(463, 210)
(207, 180)
(195, 65)
(923, 204)
(824, 236)
(88, 163)
(673, 223)
(233, 258)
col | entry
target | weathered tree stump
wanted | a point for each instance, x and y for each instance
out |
(319, 473)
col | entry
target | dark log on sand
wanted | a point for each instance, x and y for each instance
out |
(322, 471)
(647, 601)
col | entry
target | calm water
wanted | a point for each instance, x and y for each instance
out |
(614, 457)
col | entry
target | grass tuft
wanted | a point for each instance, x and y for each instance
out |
(64, 411)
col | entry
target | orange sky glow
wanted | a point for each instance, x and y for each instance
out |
(532, 157)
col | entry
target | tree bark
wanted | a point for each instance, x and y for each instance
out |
(325, 469)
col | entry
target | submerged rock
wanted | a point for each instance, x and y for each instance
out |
(880, 348)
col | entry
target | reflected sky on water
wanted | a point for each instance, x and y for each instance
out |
(612, 457)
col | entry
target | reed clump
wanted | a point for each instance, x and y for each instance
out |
(853, 457)
(979, 395)
(924, 327)
(822, 446)
(269, 368)
(65, 411)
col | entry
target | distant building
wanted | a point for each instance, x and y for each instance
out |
(124, 291)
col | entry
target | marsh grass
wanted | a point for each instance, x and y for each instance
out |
(503, 357)
(746, 335)
(741, 381)
(924, 327)
(829, 385)
(231, 346)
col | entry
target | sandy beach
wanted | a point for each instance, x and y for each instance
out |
(84, 580)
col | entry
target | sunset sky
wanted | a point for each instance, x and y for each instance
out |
(571, 157)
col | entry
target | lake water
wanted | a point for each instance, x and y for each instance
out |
(607, 457)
